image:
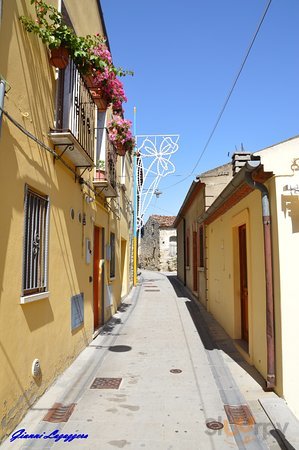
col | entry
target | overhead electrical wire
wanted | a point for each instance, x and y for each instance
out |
(227, 98)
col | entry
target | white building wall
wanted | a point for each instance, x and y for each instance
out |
(168, 250)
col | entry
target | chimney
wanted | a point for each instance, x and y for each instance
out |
(239, 160)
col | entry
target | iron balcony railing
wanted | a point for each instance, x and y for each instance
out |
(111, 163)
(76, 108)
(105, 175)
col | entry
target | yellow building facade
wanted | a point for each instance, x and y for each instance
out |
(66, 226)
(191, 239)
(248, 277)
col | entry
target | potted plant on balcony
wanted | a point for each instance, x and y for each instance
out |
(109, 88)
(49, 27)
(89, 53)
(119, 131)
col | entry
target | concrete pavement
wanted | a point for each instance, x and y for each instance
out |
(177, 368)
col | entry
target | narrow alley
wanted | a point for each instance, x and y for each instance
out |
(155, 376)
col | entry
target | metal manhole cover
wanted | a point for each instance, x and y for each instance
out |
(175, 371)
(119, 348)
(214, 425)
(106, 383)
(239, 414)
(59, 413)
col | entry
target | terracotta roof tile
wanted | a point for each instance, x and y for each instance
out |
(164, 221)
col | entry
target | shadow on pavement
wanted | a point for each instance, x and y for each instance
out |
(281, 440)
(213, 336)
(109, 326)
(124, 306)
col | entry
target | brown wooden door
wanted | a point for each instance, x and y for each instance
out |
(243, 282)
(97, 279)
(194, 261)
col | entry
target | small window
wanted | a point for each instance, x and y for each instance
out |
(35, 256)
(201, 248)
(112, 257)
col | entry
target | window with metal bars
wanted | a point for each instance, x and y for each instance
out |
(35, 257)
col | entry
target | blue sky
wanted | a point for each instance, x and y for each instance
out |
(185, 56)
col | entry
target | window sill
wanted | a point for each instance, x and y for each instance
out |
(34, 297)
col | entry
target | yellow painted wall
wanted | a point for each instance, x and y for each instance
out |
(283, 160)
(42, 329)
(180, 250)
(85, 20)
(191, 216)
(213, 182)
(223, 282)
(223, 289)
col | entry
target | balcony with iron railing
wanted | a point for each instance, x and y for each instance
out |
(77, 133)
(74, 133)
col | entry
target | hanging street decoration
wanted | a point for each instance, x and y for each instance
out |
(153, 163)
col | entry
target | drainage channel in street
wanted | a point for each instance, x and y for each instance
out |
(238, 412)
(61, 411)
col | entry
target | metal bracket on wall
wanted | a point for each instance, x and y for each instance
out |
(100, 191)
(69, 147)
(89, 168)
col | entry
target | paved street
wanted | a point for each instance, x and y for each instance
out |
(177, 368)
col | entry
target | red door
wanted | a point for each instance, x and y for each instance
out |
(97, 279)
(243, 282)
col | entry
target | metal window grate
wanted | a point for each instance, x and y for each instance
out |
(35, 242)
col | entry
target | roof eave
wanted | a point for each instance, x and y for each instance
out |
(235, 184)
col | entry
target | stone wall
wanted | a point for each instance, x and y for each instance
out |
(158, 248)
(149, 246)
